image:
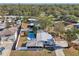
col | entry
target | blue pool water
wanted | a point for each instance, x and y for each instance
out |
(31, 35)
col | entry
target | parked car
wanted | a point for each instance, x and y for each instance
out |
(1, 49)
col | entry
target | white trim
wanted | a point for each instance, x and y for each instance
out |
(17, 41)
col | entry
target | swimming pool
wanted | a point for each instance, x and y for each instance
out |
(31, 35)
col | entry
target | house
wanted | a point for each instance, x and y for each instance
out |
(76, 25)
(32, 22)
(10, 18)
(46, 38)
(42, 39)
(10, 32)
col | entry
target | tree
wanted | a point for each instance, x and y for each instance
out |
(70, 35)
(46, 22)
(59, 27)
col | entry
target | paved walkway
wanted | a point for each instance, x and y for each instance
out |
(59, 52)
(36, 42)
(59, 46)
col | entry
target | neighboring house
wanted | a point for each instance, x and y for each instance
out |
(76, 25)
(32, 22)
(10, 18)
(9, 34)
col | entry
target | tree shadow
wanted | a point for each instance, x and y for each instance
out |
(50, 48)
(23, 45)
(53, 47)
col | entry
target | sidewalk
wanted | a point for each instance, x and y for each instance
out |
(59, 46)
(59, 52)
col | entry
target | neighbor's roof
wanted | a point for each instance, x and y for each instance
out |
(32, 19)
(76, 24)
(9, 31)
(2, 25)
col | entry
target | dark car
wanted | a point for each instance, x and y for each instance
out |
(1, 49)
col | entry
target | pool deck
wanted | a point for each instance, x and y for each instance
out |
(36, 42)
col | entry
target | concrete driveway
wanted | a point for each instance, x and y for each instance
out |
(8, 46)
(59, 46)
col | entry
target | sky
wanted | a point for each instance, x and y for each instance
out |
(39, 1)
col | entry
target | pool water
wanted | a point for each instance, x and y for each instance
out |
(31, 35)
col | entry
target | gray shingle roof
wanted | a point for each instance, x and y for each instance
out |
(9, 31)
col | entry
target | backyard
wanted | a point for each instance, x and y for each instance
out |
(22, 41)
